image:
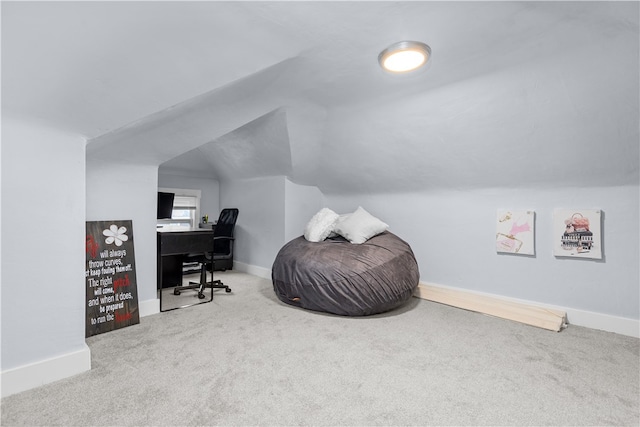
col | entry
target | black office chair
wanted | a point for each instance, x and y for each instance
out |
(222, 253)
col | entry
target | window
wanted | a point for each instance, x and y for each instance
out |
(186, 209)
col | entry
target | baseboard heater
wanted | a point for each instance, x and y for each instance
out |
(553, 320)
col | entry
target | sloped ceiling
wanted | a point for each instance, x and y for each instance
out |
(516, 93)
(233, 156)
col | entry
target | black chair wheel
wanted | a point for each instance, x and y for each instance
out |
(201, 295)
(227, 290)
(176, 292)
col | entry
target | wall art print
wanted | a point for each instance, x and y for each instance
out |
(577, 233)
(110, 274)
(515, 232)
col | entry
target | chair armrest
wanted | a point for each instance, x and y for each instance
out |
(223, 238)
(231, 243)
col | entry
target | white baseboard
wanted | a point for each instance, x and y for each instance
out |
(265, 273)
(149, 307)
(588, 319)
(604, 322)
(45, 371)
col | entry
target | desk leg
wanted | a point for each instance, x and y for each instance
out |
(171, 271)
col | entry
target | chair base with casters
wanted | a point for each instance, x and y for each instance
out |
(203, 283)
(220, 257)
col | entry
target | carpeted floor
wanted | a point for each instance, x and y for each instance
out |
(248, 359)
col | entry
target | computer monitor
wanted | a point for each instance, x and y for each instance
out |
(165, 205)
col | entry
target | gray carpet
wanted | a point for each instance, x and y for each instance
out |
(186, 298)
(248, 359)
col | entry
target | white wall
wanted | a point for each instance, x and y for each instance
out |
(301, 203)
(128, 192)
(210, 191)
(43, 232)
(452, 234)
(260, 229)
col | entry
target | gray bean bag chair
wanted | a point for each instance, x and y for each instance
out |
(339, 277)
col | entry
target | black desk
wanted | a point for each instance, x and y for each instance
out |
(172, 246)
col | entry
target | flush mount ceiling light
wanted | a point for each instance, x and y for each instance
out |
(404, 56)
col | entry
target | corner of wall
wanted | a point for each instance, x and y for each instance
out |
(265, 273)
(149, 307)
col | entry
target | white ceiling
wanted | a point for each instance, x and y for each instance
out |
(515, 94)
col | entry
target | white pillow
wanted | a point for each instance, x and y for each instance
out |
(341, 218)
(360, 226)
(320, 225)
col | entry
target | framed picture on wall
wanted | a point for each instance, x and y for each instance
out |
(515, 232)
(577, 233)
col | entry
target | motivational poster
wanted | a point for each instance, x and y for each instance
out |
(112, 292)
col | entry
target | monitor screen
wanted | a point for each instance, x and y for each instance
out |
(165, 205)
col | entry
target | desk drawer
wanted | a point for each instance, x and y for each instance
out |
(185, 243)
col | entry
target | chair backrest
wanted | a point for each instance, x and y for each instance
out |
(224, 227)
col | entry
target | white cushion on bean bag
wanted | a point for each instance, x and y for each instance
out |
(360, 226)
(320, 225)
